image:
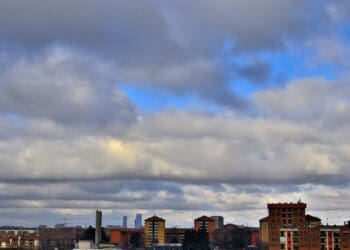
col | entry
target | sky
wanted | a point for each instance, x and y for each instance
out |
(175, 108)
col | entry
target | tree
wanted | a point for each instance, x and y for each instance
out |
(135, 239)
(196, 240)
(89, 234)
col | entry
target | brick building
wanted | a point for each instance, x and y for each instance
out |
(60, 238)
(175, 235)
(121, 236)
(288, 228)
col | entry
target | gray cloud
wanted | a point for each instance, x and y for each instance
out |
(258, 72)
(315, 101)
(194, 147)
(61, 88)
(114, 23)
(71, 141)
(230, 201)
(167, 46)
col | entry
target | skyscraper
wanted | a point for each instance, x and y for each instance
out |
(138, 221)
(125, 221)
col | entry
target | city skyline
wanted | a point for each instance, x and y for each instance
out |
(176, 108)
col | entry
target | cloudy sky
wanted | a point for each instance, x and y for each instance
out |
(175, 108)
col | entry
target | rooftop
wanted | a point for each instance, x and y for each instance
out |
(204, 218)
(154, 218)
(298, 204)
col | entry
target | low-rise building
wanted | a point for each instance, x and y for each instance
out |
(23, 241)
(264, 233)
(122, 236)
(60, 238)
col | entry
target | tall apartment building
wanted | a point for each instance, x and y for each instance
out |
(204, 223)
(288, 228)
(207, 224)
(284, 219)
(154, 231)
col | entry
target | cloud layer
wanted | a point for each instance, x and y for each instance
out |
(265, 118)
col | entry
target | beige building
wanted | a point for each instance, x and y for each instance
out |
(154, 231)
(264, 233)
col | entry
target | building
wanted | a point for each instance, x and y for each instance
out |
(254, 241)
(335, 237)
(154, 231)
(231, 236)
(175, 235)
(121, 236)
(59, 238)
(207, 224)
(290, 229)
(264, 233)
(138, 221)
(219, 221)
(125, 221)
(18, 230)
(204, 223)
(28, 241)
(345, 236)
(283, 219)
(226, 236)
(312, 221)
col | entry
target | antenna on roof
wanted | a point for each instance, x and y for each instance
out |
(299, 201)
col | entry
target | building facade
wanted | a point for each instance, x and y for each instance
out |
(264, 233)
(207, 224)
(59, 238)
(154, 231)
(283, 219)
(219, 221)
(121, 236)
(288, 228)
(28, 241)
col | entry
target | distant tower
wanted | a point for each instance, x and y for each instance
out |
(138, 221)
(98, 231)
(125, 221)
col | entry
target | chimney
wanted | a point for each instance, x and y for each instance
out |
(98, 231)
